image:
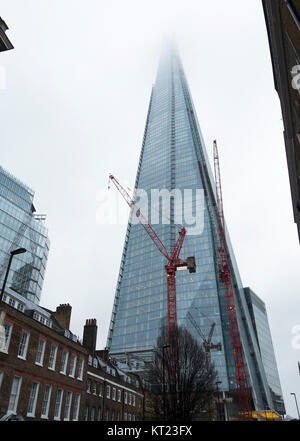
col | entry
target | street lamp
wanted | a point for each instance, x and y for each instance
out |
(293, 393)
(12, 254)
(218, 404)
(164, 398)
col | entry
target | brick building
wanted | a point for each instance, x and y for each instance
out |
(112, 395)
(42, 364)
(47, 373)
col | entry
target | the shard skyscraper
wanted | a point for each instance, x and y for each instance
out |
(173, 157)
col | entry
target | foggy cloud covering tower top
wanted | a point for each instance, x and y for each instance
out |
(173, 156)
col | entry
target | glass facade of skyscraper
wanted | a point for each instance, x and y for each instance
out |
(21, 227)
(173, 157)
(259, 316)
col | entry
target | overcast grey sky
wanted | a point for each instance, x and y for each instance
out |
(74, 109)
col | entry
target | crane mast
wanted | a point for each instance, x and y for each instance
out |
(244, 399)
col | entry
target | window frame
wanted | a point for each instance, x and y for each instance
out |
(80, 369)
(34, 401)
(16, 396)
(48, 387)
(92, 413)
(40, 363)
(94, 387)
(64, 362)
(7, 336)
(68, 404)
(22, 345)
(73, 363)
(58, 417)
(52, 367)
(76, 407)
(88, 385)
(86, 413)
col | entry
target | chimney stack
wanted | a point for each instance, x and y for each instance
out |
(63, 315)
(90, 335)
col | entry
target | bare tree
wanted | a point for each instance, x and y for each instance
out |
(180, 384)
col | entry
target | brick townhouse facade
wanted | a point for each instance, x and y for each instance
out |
(47, 373)
(112, 395)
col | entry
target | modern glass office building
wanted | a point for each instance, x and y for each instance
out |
(21, 227)
(173, 157)
(258, 313)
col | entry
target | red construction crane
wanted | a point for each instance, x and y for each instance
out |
(244, 399)
(174, 262)
(208, 345)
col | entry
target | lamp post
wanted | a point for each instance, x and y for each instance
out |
(218, 408)
(293, 393)
(164, 393)
(12, 254)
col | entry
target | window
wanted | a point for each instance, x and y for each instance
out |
(86, 413)
(101, 390)
(125, 397)
(52, 357)
(58, 403)
(113, 415)
(23, 345)
(46, 401)
(133, 400)
(125, 416)
(7, 335)
(130, 399)
(99, 413)
(1, 376)
(114, 394)
(129, 417)
(72, 365)
(119, 395)
(11, 301)
(20, 306)
(76, 407)
(40, 352)
(33, 399)
(94, 388)
(64, 362)
(107, 415)
(107, 391)
(68, 406)
(88, 386)
(92, 417)
(80, 369)
(14, 395)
